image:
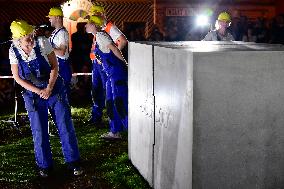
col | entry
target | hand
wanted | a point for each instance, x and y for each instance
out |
(45, 93)
(126, 63)
(98, 61)
(39, 32)
(73, 83)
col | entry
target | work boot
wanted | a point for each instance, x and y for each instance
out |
(75, 168)
(77, 171)
(111, 136)
(44, 172)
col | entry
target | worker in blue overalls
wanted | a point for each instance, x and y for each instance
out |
(59, 40)
(115, 68)
(34, 66)
(98, 75)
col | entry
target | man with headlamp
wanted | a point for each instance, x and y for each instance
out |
(221, 32)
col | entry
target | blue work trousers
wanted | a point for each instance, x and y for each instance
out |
(65, 72)
(98, 91)
(38, 114)
(117, 104)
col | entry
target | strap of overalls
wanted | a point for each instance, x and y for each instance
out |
(53, 36)
(19, 57)
(33, 78)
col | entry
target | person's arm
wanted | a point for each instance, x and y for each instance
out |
(231, 37)
(61, 46)
(105, 42)
(15, 71)
(121, 42)
(45, 93)
(61, 50)
(49, 54)
(116, 51)
(54, 70)
(25, 84)
(208, 37)
(117, 36)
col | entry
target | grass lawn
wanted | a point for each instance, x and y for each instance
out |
(105, 163)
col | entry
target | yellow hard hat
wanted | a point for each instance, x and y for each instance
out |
(20, 28)
(55, 11)
(224, 16)
(96, 9)
(97, 20)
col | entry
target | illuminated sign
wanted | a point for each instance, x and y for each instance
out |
(179, 11)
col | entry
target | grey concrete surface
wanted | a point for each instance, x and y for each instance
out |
(141, 110)
(217, 119)
(238, 120)
(173, 118)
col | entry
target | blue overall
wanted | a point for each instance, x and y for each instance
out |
(64, 64)
(37, 72)
(116, 89)
(98, 91)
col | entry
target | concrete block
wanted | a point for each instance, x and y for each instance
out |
(216, 114)
(141, 109)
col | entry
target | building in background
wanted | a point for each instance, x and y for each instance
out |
(181, 15)
(131, 15)
(136, 18)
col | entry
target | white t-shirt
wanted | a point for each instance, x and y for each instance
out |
(115, 33)
(103, 41)
(45, 49)
(60, 38)
(213, 36)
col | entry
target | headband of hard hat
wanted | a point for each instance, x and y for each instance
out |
(96, 9)
(98, 21)
(55, 11)
(82, 20)
(224, 16)
(20, 28)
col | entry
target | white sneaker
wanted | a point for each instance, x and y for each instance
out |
(43, 173)
(77, 171)
(111, 135)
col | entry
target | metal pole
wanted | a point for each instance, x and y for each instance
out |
(155, 11)
(16, 102)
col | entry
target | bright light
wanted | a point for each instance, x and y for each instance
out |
(74, 9)
(202, 20)
(68, 9)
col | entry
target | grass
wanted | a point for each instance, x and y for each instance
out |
(105, 163)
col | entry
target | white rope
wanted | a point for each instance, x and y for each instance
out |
(5, 77)
(74, 74)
